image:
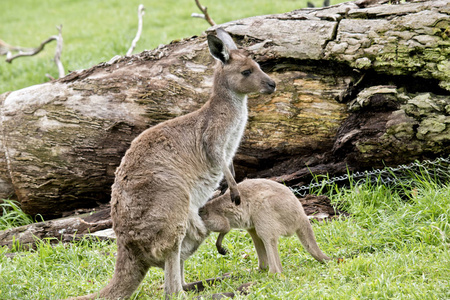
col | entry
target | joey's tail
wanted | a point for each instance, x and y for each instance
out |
(306, 235)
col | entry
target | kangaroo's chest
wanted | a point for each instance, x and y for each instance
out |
(236, 132)
(204, 188)
(227, 143)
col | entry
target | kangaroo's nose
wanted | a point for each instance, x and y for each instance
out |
(272, 85)
(268, 86)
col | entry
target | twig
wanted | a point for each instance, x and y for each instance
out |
(49, 76)
(205, 15)
(6, 48)
(31, 51)
(59, 46)
(196, 15)
(141, 12)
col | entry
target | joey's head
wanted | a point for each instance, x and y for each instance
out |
(205, 211)
(208, 217)
(212, 214)
(237, 71)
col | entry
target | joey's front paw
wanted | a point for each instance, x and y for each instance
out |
(222, 250)
(235, 197)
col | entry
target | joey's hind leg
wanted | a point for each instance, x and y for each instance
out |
(271, 246)
(260, 249)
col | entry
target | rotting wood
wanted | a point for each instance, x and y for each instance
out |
(58, 230)
(97, 224)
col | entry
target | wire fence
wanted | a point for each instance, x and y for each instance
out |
(438, 169)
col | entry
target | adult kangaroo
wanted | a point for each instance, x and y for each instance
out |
(170, 171)
(268, 211)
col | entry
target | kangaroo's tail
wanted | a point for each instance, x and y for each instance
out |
(129, 272)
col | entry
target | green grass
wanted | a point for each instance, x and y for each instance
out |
(396, 245)
(96, 30)
(11, 215)
(396, 242)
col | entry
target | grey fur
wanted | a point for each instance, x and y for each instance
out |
(226, 38)
(268, 210)
(169, 172)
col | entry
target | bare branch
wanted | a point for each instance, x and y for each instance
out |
(7, 48)
(141, 12)
(49, 76)
(205, 15)
(59, 46)
(196, 15)
(31, 51)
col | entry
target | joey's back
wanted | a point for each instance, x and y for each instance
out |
(261, 200)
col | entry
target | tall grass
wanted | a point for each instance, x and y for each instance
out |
(395, 245)
(11, 215)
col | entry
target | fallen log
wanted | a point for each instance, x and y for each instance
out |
(59, 230)
(98, 224)
(356, 88)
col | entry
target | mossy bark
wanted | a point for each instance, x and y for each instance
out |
(356, 88)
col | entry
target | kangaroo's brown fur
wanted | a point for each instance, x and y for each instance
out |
(170, 171)
(268, 210)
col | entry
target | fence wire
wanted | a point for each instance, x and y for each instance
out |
(438, 169)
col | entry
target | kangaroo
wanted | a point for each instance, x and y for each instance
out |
(172, 169)
(268, 210)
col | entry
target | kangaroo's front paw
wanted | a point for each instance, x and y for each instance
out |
(235, 196)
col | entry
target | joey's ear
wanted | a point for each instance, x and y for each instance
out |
(218, 49)
(201, 211)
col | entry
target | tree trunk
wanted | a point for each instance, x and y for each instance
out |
(356, 87)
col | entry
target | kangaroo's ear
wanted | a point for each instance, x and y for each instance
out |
(226, 39)
(218, 49)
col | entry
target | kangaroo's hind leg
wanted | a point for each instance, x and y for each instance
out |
(172, 273)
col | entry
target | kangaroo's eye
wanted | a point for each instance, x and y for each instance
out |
(246, 72)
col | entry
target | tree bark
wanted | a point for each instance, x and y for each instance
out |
(59, 230)
(356, 88)
(95, 223)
